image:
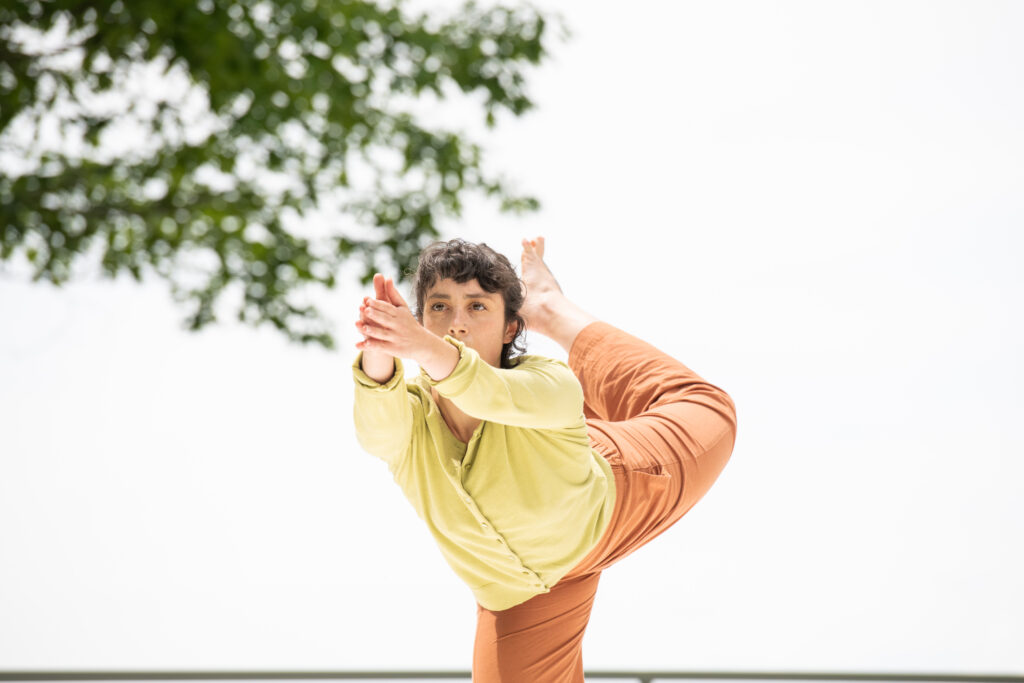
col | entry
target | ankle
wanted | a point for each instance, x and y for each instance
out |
(564, 320)
(539, 313)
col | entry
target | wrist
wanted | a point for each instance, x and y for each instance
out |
(378, 366)
(438, 358)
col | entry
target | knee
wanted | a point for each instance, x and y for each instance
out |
(716, 423)
(728, 412)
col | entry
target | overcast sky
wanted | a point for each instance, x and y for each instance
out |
(817, 206)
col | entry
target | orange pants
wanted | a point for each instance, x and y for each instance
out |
(667, 434)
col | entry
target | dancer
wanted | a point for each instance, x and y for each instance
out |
(532, 475)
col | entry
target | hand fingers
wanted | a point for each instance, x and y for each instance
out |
(373, 332)
(376, 345)
(393, 295)
(366, 319)
(363, 307)
(378, 287)
(374, 327)
(381, 322)
(383, 307)
(370, 316)
(382, 317)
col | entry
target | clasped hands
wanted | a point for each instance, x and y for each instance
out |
(391, 330)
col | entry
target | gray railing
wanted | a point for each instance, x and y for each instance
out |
(638, 675)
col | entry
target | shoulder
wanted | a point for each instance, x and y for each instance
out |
(540, 364)
(529, 360)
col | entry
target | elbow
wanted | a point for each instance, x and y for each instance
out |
(573, 414)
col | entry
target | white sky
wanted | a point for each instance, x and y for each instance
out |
(817, 206)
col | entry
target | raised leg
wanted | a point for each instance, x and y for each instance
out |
(666, 431)
(672, 436)
(623, 376)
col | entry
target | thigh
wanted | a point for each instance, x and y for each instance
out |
(623, 377)
(670, 431)
(689, 445)
(661, 471)
(540, 640)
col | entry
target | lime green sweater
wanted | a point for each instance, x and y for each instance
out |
(519, 505)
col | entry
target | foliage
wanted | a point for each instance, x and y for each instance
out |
(205, 141)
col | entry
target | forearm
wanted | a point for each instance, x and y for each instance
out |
(541, 393)
(383, 413)
(437, 357)
(378, 366)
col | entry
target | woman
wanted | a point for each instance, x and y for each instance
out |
(532, 475)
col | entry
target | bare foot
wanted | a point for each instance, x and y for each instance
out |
(546, 308)
(540, 284)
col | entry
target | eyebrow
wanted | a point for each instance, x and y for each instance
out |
(471, 295)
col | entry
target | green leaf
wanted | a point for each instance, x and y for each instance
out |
(278, 111)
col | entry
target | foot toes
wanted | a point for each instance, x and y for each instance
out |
(528, 249)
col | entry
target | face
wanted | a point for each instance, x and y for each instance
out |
(468, 313)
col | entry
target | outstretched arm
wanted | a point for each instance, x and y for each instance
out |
(538, 392)
(376, 363)
(384, 413)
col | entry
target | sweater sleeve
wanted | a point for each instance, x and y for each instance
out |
(539, 392)
(383, 413)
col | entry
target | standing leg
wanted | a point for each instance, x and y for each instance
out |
(540, 640)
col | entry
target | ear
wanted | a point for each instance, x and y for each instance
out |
(510, 332)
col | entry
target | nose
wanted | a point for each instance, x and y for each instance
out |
(457, 328)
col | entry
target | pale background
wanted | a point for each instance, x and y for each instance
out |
(815, 205)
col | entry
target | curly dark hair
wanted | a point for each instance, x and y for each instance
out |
(462, 261)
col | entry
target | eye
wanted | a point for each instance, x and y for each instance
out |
(437, 307)
(477, 306)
